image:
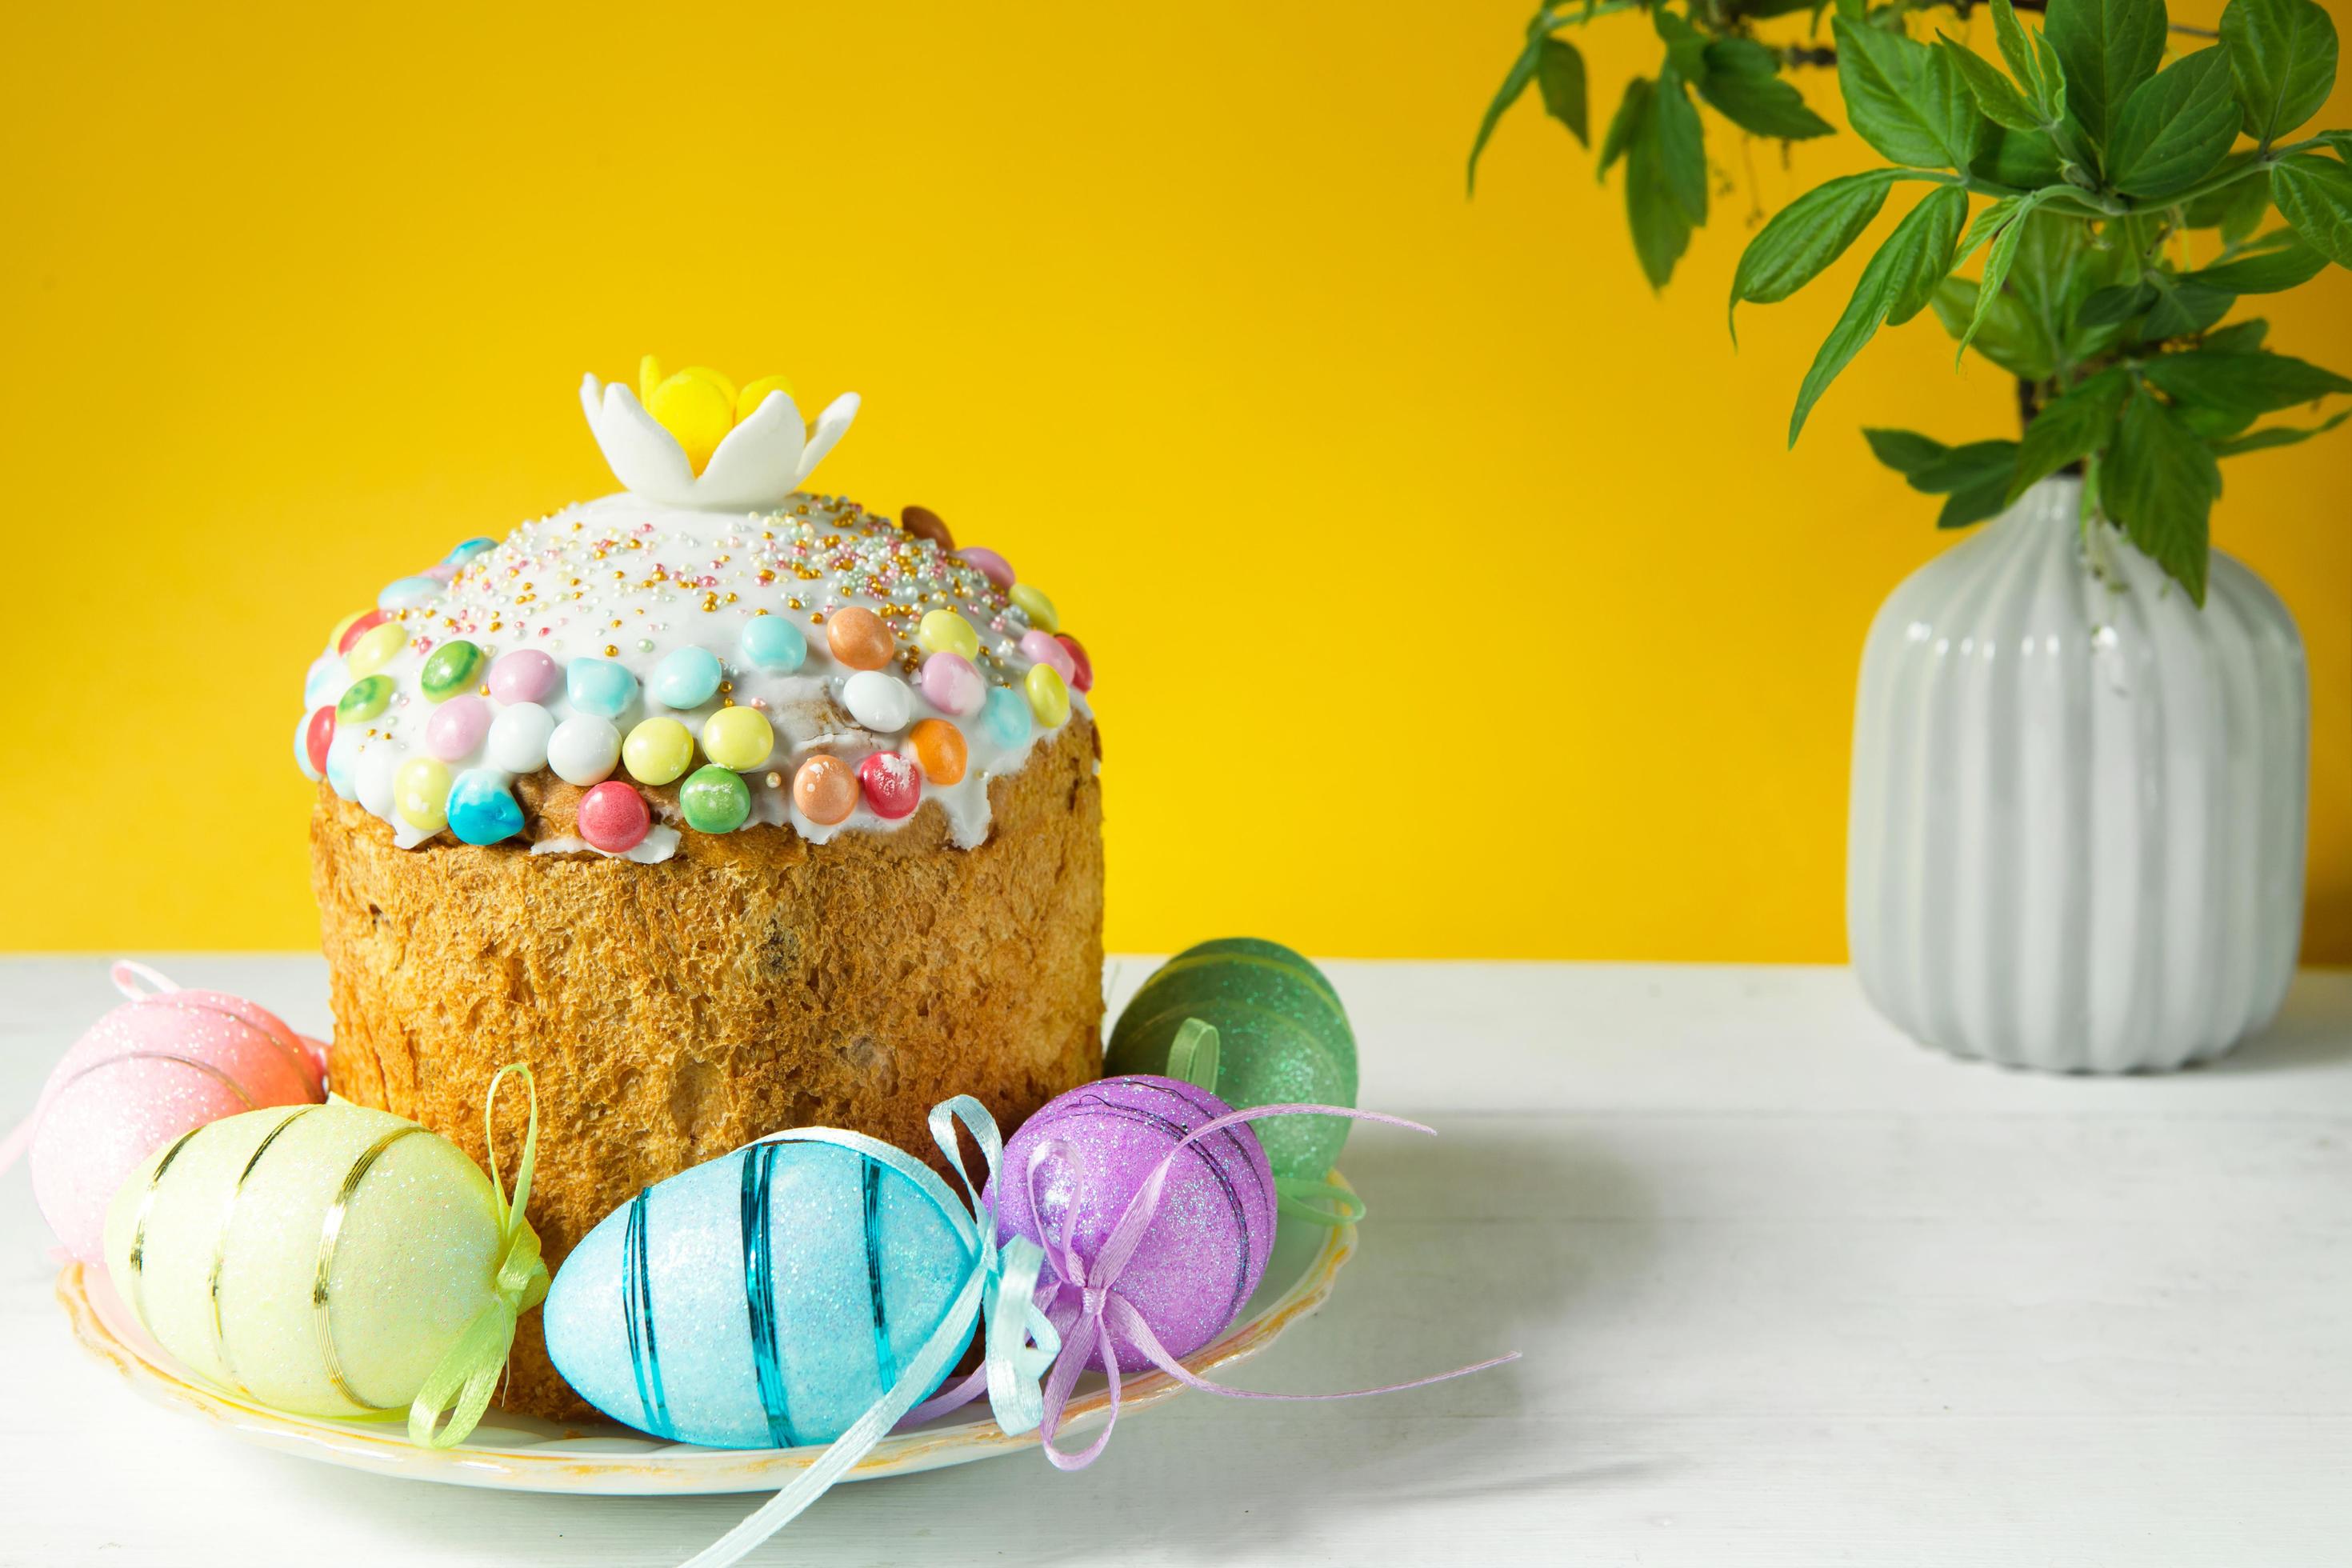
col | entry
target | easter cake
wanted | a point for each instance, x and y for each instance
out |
(726, 806)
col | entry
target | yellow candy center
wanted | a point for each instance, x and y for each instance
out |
(699, 405)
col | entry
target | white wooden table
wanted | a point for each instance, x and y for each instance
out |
(1791, 1289)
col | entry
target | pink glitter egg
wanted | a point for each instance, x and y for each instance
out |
(1039, 647)
(893, 785)
(455, 730)
(526, 674)
(952, 685)
(1205, 1250)
(989, 565)
(1081, 673)
(614, 817)
(161, 1065)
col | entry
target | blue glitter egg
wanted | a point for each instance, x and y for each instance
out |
(468, 551)
(766, 1299)
(688, 679)
(772, 643)
(599, 685)
(1004, 719)
(480, 809)
(407, 593)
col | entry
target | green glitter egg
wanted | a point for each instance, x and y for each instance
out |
(449, 669)
(715, 799)
(365, 699)
(1282, 1036)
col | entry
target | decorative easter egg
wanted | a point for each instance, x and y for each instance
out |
(657, 751)
(1049, 698)
(715, 799)
(924, 523)
(989, 563)
(944, 631)
(1005, 718)
(825, 790)
(952, 685)
(318, 735)
(525, 675)
(880, 702)
(584, 750)
(365, 699)
(1283, 1039)
(939, 750)
(892, 785)
(480, 809)
(614, 817)
(772, 643)
(456, 728)
(450, 668)
(164, 1062)
(518, 737)
(738, 738)
(1205, 1250)
(407, 593)
(600, 686)
(1081, 673)
(1032, 602)
(1042, 648)
(688, 676)
(420, 793)
(325, 1259)
(354, 627)
(459, 555)
(375, 647)
(858, 639)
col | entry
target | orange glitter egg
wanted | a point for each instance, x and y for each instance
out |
(859, 639)
(825, 790)
(939, 750)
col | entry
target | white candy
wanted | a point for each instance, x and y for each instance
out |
(584, 750)
(518, 739)
(880, 702)
(377, 767)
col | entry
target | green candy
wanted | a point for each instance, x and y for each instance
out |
(1282, 1036)
(449, 669)
(715, 799)
(365, 699)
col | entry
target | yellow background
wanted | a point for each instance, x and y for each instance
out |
(1451, 595)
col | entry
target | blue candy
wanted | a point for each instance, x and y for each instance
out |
(480, 810)
(407, 593)
(688, 679)
(599, 685)
(1005, 717)
(468, 551)
(326, 681)
(773, 643)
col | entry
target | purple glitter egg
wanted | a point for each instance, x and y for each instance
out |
(1205, 1250)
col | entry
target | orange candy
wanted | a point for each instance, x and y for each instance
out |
(859, 639)
(939, 750)
(825, 790)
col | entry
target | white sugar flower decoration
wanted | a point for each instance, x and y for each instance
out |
(692, 440)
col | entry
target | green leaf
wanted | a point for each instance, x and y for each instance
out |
(2278, 436)
(1960, 467)
(1994, 93)
(1988, 223)
(1559, 72)
(2315, 195)
(1997, 261)
(2175, 127)
(2115, 304)
(1906, 451)
(1806, 235)
(2015, 46)
(1632, 112)
(2007, 335)
(1685, 49)
(2257, 383)
(1915, 257)
(1522, 71)
(2183, 307)
(2069, 429)
(2283, 55)
(1907, 99)
(2159, 483)
(1682, 148)
(1974, 476)
(1743, 82)
(2238, 338)
(1987, 496)
(2025, 158)
(2237, 209)
(2288, 263)
(1661, 228)
(2058, 268)
(2210, 425)
(2107, 48)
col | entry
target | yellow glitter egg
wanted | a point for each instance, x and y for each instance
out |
(738, 738)
(1036, 606)
(748, 401)
(944, 631)
(657, 751)
(1049, 698)
(375, 647)
(420, 793)
(697, 413)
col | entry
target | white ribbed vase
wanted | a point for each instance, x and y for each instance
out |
(2077, 821)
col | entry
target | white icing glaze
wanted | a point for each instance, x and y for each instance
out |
(632, 579)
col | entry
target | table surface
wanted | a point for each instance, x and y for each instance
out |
(1791, 1290)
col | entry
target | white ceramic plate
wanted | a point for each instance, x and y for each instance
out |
(521, 1453)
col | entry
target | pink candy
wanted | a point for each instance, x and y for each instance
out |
(992, 565)
(455, 730)
(439, 573)
(1038, 648)
(526, 674)
(893, 785)
(614, 817)
(1081, 675)
(951, 685)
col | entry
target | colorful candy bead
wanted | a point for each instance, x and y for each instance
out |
(938, 750)
(324, 680)
(614, 817)
(715, 799)
(772, 643)
(480, 810)
(880, 702)
(924, 523)
(599, 685)
(944, 631)
(893, 787)
(1004, 719)
(468, 550)
(518, 739)
(1040, 648)
(989, 563)
(657, 751)
(1049, 698)
(584, 750)
(311, 770)
(443, 573)
(748, 401)
(738, 738)
(824, 790)
(449, 669)
(376, 648)
(456, 728)
(1033, 605)
(1081, 673)
(526, 674)
(951, 685)
(407, 593)
(363, 700)
(335, 637)
(687, 677)
(318, 737)
(858, 639)
(420, 793)
(351, 628)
